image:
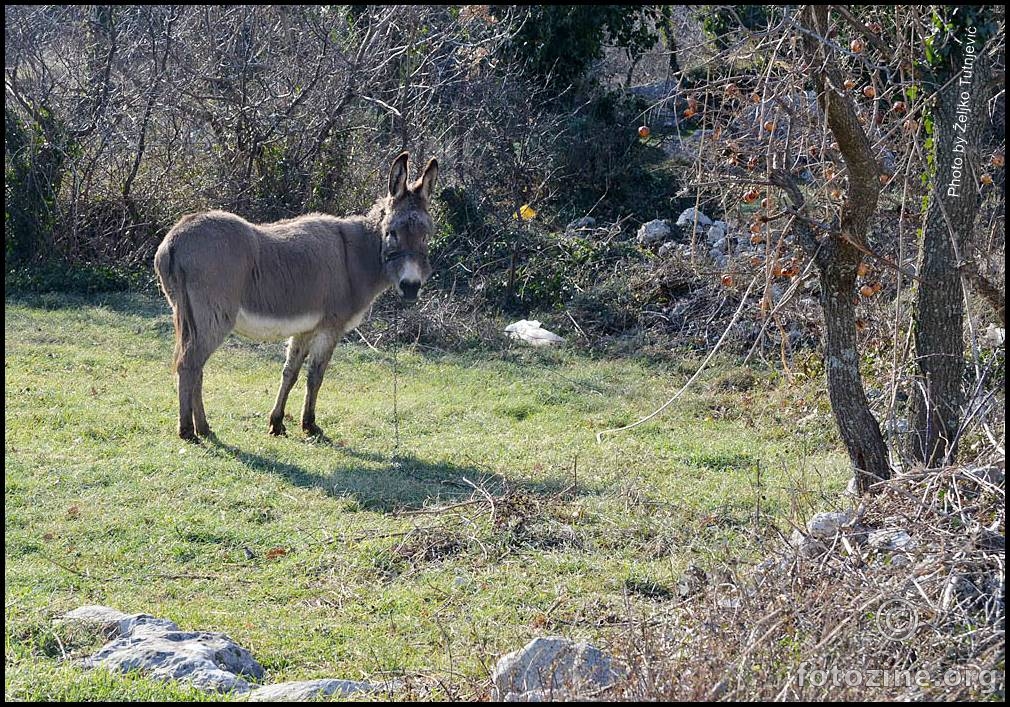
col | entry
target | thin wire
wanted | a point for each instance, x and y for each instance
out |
(396, 373)
(718, 345)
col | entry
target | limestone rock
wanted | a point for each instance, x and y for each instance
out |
(825, 526)
(656, 231)
(687, 219)
(159, 649)
(551, 667)
(305, 690)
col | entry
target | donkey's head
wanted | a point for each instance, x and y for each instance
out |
(407, 227)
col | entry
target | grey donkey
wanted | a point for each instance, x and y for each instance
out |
(308, 279)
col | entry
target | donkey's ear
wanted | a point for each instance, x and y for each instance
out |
(398, 176)
(428, 178)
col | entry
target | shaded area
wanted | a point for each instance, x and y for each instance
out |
(388, 484)
(141, 305)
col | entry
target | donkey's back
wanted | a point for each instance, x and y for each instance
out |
(281, 270)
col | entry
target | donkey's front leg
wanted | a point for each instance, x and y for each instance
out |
(298, 349)
(322, 351)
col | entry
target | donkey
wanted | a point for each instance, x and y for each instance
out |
(308, 279)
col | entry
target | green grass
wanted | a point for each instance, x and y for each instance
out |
(312, 553)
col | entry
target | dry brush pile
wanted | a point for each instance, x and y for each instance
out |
(903, 598)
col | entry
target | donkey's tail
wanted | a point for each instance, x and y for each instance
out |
(173, 282)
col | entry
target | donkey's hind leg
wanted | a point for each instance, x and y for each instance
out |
(298, 349)
(199, 414)
(210, 331)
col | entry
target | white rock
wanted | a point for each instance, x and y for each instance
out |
(993, 337)
(805, 545)
(114, 622)
(550, 667)
(825, 526)
(305, 690)
(156, 647)
(891, 540)
(717, 232)
(102, 617)
(532, 333)
(655, 231)
(666, 249)
(687, 218)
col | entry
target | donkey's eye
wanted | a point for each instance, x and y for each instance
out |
(392, 236)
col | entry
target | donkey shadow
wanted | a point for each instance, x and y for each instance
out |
(380, 483)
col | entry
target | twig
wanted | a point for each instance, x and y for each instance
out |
(718, 345)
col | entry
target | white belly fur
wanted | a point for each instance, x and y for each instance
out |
(355, 321)
(264, 328)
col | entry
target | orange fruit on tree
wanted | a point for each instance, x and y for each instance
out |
(899, 107)
(856, 45)
(769, 126)
(643, 131)
(689, 113)
(869, 91)
(751, 196)
(867, 291)
(727, 280)
(997, 159)
(986, 179)
(849, 84)
(863, 270)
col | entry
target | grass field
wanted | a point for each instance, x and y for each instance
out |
(330, 558)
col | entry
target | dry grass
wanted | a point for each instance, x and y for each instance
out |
(847, 620)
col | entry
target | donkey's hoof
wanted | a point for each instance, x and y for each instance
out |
(277, 429)
(203, 430)
(188, 434)
(312, 429)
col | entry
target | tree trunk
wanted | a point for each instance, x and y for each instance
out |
(837, 256)
(954, 200)
(858, 427)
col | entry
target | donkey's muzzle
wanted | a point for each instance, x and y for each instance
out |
(409, 290)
